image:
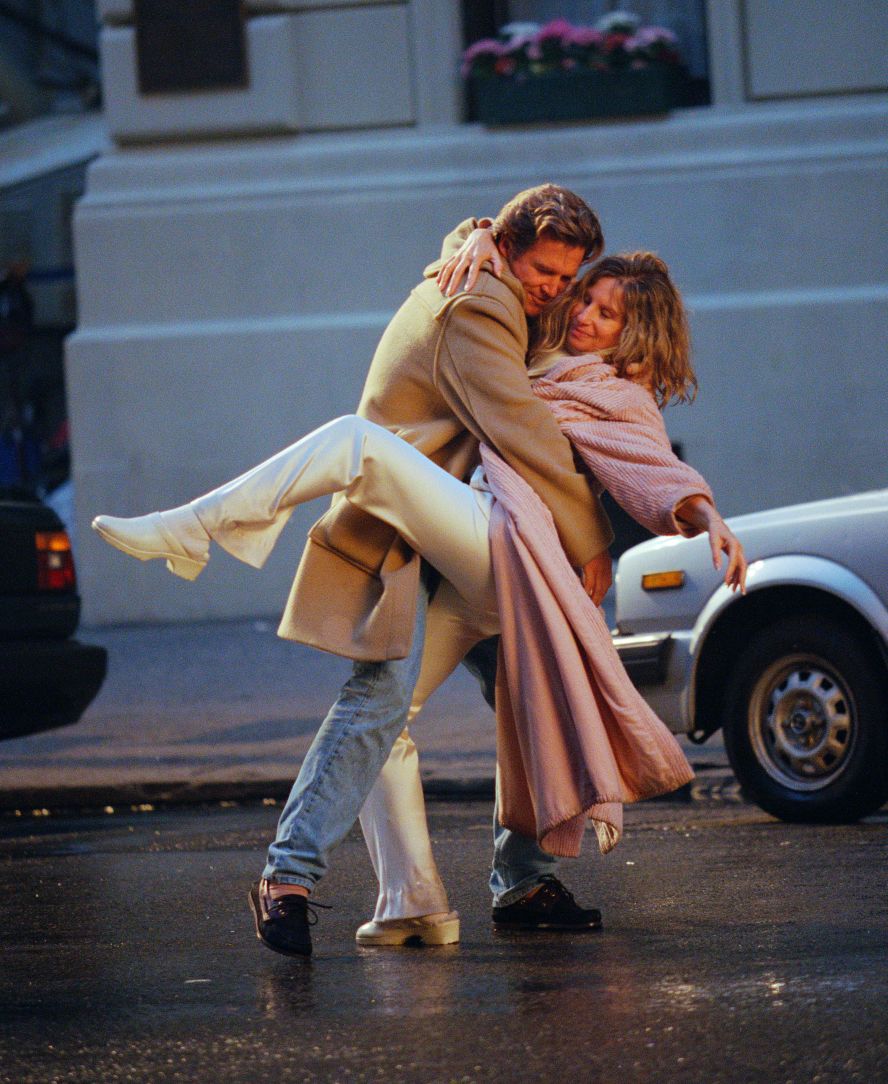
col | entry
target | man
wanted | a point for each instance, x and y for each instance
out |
(448, 372)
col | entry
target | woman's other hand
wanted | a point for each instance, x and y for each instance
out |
(723, 540)
(477, 249)
(701, 515)
(598, 575)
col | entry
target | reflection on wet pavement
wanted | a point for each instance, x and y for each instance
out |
(735, 948)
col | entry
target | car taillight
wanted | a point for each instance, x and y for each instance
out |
(55, 565)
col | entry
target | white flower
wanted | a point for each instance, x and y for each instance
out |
(618, 22)
(518, 30)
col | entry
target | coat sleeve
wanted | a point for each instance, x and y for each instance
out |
(480, 372)
(632, 458)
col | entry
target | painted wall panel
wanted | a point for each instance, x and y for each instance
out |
(232, 294)
(307, 71)
(812, 47)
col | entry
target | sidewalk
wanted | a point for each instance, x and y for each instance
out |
(226, 710)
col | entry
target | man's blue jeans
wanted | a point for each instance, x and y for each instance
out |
(519, 863)
(344, 760)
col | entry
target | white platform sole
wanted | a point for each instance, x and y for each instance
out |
(411, 931)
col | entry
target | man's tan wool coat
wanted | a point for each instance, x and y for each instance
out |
(448, 373)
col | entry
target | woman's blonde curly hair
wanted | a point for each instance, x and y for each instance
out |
(655, 336)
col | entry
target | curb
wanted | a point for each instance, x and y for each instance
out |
(716, 785)
(146, 797)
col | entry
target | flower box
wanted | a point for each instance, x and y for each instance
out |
(578, 95)
(559, 71)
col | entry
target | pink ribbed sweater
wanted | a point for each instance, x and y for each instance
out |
(575, 740)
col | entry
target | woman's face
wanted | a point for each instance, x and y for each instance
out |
(597, 319)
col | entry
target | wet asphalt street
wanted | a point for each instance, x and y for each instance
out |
(736, 949)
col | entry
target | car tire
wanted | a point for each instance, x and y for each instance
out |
(805, 725)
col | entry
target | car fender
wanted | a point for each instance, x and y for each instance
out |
(793, 570)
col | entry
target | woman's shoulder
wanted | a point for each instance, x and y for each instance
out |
(564, 368)
(592, 372)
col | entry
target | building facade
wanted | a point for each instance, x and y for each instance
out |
(239, 250)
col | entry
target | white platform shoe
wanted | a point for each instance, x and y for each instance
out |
(176, 536)
(440, 929)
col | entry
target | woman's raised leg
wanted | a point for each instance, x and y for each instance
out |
(441, 517)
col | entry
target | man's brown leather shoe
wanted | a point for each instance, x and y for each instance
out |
(282, 924)
(548, 907)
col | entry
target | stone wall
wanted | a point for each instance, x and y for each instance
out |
(232, 291)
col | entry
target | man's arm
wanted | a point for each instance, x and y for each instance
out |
(480, 372)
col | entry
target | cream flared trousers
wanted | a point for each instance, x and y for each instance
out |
(443, 519)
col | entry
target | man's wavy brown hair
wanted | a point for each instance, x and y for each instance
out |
(550, 211)
(655, 339)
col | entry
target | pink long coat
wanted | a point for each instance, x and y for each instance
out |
(575, 739)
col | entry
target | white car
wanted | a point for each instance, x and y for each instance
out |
(795, 672)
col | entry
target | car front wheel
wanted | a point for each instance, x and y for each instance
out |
(805, 724)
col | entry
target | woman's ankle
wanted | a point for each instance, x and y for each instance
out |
(184, 523)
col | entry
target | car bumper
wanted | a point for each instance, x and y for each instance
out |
(660, 666)
(47, 683)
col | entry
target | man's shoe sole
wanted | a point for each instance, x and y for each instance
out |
(254, 907)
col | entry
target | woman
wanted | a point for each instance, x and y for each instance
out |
(448, 523)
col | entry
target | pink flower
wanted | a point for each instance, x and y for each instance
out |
(647, 36)
(616, 40)
(485, 45)
(489, 47)
(584, 36)
(557, 28)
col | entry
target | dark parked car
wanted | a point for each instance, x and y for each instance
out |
(46, 678)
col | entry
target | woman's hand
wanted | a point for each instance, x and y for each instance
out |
(723, 540)
(598, 575)
(701, 515)
(477, 249)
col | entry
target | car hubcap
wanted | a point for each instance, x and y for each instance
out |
(801, 723)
